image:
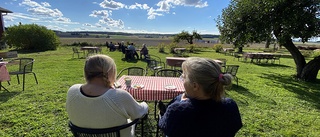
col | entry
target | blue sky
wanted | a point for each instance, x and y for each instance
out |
(134, 16)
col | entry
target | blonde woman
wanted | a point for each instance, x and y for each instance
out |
(202, 110)
(96, 104)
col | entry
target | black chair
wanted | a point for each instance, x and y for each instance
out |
(104, 132)
(133, 71)
(154, 65)
(168, 73)
(276, 57)
(25, 67)
(233, 69)
(76, 51)
(223, 64)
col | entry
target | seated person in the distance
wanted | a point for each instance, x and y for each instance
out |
(133, 50)
(144, 51)
(112, 47)
(202, 111)
(96, 104)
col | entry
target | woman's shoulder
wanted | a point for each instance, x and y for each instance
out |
(228, 101)
(229, 104)
(180, 105)
(75, 87)
(116, 93)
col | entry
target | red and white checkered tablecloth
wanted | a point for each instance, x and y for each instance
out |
(4, 74)
(154, 87)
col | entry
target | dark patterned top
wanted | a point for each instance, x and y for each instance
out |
(201, 118)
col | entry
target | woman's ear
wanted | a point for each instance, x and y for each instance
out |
(195, 86)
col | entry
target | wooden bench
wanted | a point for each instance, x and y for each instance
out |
(10, 54)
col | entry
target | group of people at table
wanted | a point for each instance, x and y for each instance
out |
(202, 110)
(130, 51)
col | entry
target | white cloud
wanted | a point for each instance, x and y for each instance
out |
(42, 13)
(56, 28)
(103, 13)
(112, 23)
(45, 11)
(174, 13)
(87, 24)
(63, 19)
(164, 6)
(14, 16)
(110, 4)
(30, 3)
(46, 4)
(138, 6)
(152, 13)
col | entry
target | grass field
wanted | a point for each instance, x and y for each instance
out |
(271, 101)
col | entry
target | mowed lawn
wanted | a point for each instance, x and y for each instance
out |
(271, 101)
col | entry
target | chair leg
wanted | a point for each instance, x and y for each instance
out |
(18, 79)
(237, 81)
(23, 80)
(35, 77)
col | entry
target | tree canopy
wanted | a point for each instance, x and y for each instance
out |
(248, 21)
(185, 35)
(31, 37)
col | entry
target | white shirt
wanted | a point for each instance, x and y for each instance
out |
(113, 108)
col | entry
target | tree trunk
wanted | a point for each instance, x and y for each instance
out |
(296, 55)
(240, 49)
(267, 43)
(311, 69)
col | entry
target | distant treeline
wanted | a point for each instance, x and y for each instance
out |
(106, 34)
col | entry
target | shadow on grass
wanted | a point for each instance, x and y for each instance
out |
(164, 53)
(308, 91)
(73, 59)
(130, 60)
(5, 95)
(250, 96)
(30, 51)
(271, 65)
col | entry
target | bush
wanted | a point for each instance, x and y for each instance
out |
(171, 46)
(316, 53)
(31, 37)
(192, 48)
(306, 53)
(217, 47)
(161, 47)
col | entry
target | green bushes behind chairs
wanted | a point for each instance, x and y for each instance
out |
(31, 37)
(217, 47)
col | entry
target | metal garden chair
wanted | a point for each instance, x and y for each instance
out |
(76, 51)
(25, 66)
(168, 73)
(233, 69)
(133, 71)
(154, 65)
(104, 132)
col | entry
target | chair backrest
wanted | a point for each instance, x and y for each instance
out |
(224, 61)
(104, 132)
(155, 58)
(25, 64)
(232, 69)
(75, 50)
(152, 63)
(133, 71)
(168, 73)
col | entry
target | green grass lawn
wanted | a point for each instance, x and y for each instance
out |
(271, 101)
